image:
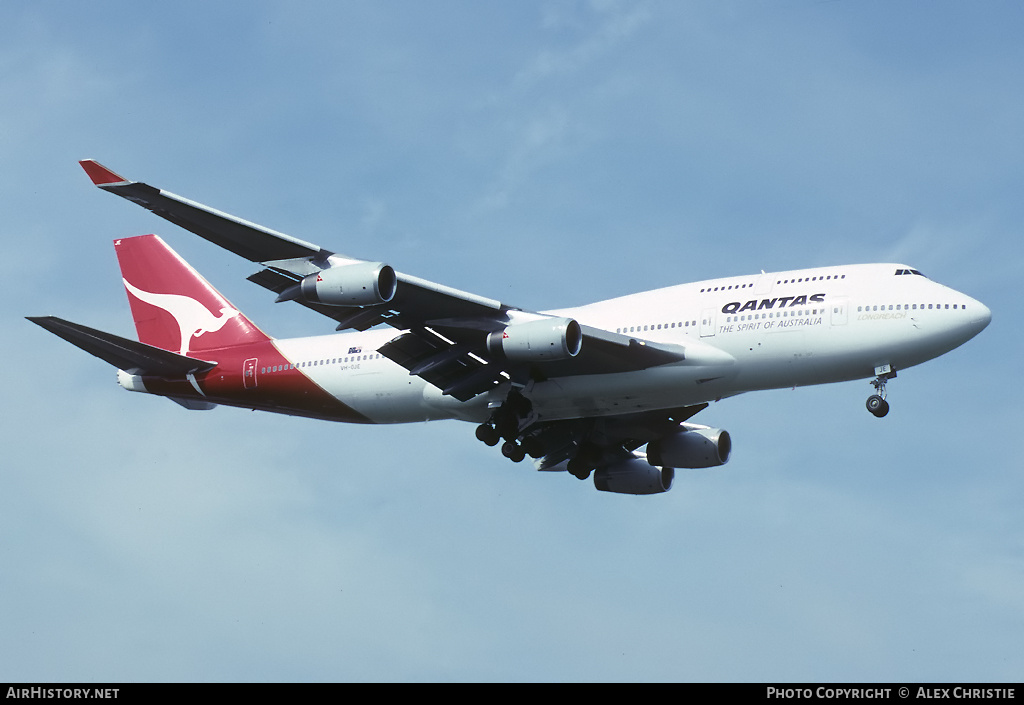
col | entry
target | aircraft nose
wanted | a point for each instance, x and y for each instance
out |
(981, 316)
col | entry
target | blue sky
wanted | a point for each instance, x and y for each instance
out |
(548, 154)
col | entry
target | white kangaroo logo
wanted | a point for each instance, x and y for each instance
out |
(192, 317)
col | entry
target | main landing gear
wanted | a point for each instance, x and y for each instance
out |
(876, 403)
(505, 423)
(584, 462)
(515, 422)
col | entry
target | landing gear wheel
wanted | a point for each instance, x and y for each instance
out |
(533, 447)
(512, 451)
(579, 468)
(877, 405)
(487, 434)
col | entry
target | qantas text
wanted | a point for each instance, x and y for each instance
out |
(767, 304)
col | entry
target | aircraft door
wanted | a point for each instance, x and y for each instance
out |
(839, 312)
(249, 373)
(707, 323)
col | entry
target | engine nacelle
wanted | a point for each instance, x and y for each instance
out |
(537, 341)
(362, 284)
(633, 476)
(694, 448)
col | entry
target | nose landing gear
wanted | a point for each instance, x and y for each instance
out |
(876, 403)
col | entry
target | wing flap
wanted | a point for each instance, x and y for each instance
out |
(452, 368)
(124, 354)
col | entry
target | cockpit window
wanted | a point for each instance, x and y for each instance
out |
(909, 271)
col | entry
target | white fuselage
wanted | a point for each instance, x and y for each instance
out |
(741, 334)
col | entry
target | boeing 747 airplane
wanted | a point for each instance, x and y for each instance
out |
(606, 389)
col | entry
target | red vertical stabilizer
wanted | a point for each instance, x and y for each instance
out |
(173, 306)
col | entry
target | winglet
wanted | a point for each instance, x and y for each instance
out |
(101, 175)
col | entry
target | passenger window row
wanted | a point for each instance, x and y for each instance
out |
(775, 314)
(828, 277)
(656, 326)
(726, 288)
(317, 363)
(911, 307)
(801, 280)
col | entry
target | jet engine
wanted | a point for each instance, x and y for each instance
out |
(633, 476)
(695, 447)
(362, 284)
(537, 341)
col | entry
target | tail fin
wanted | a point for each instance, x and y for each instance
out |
(173, 306)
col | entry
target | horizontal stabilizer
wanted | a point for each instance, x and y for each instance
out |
(124, 354)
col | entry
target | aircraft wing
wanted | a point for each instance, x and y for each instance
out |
(254, 242)
(287, 260)
(446, 330)
(128, 355)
